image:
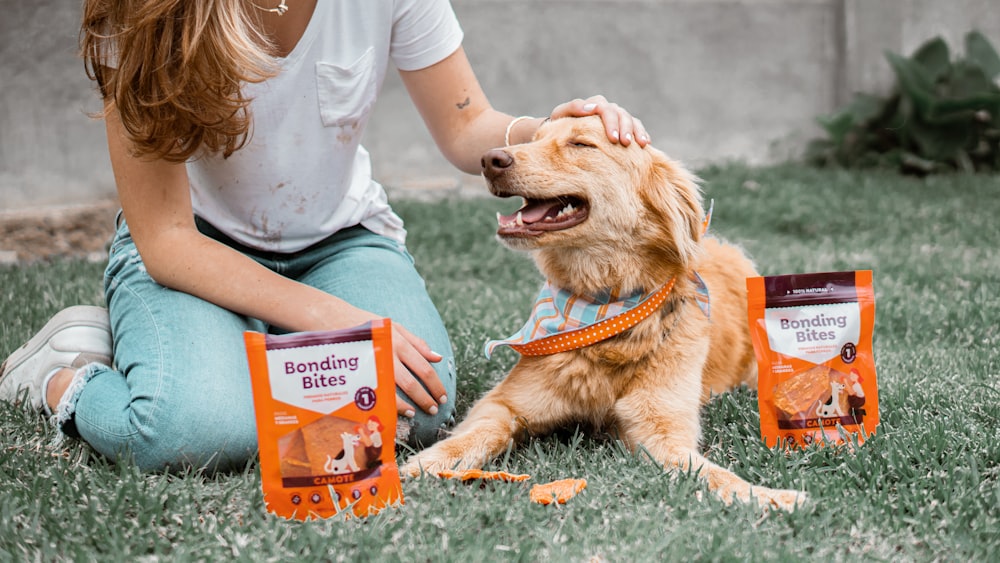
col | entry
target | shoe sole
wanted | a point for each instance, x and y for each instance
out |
(79, 315)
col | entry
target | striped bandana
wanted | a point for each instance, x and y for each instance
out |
(561, 321)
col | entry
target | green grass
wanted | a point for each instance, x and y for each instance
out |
(926, 487)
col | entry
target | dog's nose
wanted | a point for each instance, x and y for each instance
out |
(496, 161)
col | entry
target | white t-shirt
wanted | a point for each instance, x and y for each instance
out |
(304, 174)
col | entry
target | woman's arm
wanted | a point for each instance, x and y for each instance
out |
(464, 125)
(156, 200)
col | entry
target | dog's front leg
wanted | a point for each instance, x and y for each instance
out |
(490, 427)
(493, 424)
(670, 430)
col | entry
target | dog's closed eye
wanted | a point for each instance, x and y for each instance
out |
(582, 143)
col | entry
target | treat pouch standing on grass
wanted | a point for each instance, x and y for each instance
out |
(812, 335)
(325, 405)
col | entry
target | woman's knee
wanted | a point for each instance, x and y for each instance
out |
(202, 439)
(425, 429)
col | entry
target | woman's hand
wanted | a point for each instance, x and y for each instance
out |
(412, 366)
(619, 124)
(411, 356)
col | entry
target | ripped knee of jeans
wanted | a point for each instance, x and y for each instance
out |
(420, 432)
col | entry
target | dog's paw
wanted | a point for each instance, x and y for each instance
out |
(786, 500)
(409, 469)
(431, 462)
(414, 467)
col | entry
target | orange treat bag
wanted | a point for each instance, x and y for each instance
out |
(812, 335)
(326, 420)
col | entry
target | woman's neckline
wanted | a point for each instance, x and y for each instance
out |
(301, 43)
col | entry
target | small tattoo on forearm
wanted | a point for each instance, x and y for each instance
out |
(464, 104)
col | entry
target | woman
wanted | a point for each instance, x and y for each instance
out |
(248, 204)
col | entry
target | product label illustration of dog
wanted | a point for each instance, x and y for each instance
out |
(833, 408)
(640, 321)
(345, 462)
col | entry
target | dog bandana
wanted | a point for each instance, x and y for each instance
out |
(561, 321)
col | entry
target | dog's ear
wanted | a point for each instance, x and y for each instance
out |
(672, 195)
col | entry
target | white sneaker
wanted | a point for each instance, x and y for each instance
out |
(73, 338)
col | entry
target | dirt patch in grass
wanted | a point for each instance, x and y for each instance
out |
(65, 232)
(84, 231)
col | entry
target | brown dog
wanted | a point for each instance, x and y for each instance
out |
(597, 217)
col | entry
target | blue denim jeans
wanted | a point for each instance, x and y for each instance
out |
(179, 393)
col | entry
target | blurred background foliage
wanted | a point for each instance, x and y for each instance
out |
(943, 114)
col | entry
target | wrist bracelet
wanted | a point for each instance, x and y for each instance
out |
(510, 126)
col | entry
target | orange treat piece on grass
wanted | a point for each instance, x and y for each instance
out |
(473, 474)
(557, 491)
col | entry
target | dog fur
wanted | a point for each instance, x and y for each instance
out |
(636, 222)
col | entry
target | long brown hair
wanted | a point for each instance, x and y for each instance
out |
(174, 70)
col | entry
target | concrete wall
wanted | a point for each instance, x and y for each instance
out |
(713, 80)
(51, 152)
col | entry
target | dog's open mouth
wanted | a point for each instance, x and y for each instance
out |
(538, 216)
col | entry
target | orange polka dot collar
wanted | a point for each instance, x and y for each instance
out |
(561, 321)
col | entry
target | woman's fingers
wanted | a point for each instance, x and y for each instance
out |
(403, 408)
(641, 135)
(414, 375)
(620, 125)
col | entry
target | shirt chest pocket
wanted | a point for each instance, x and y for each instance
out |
(346, 94)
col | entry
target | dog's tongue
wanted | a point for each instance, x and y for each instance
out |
(533, 211)
(541, 215)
